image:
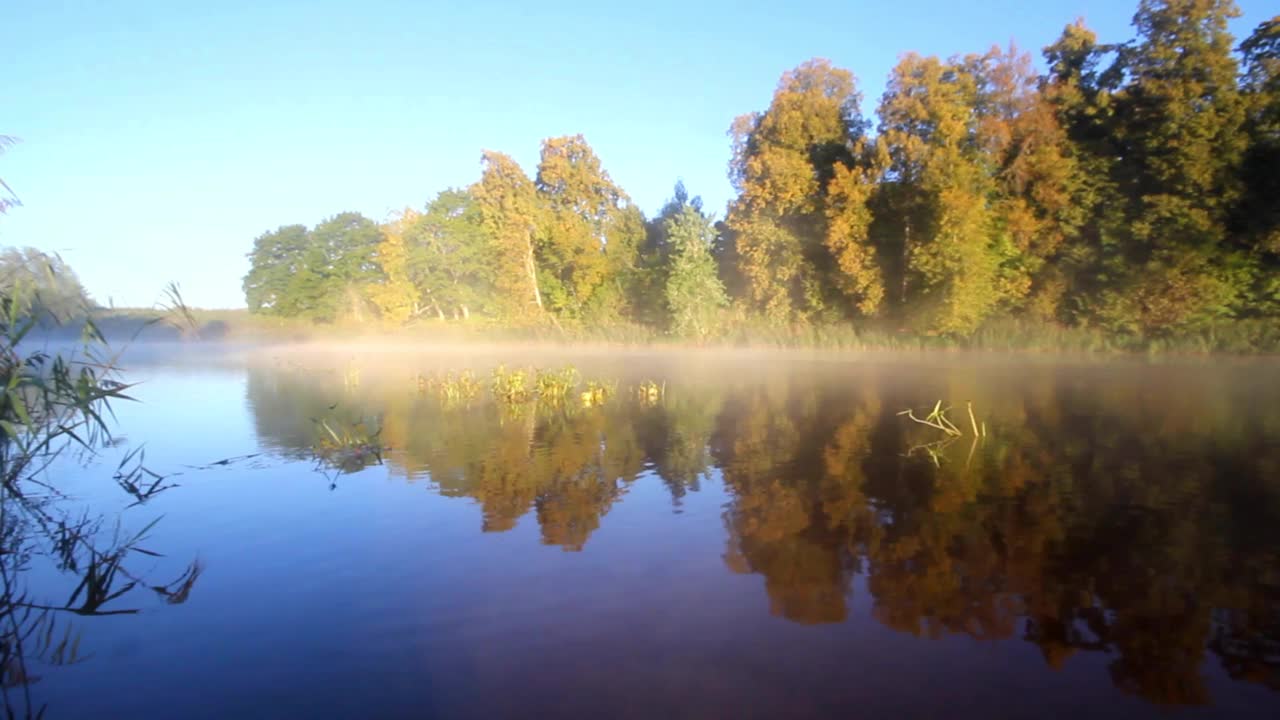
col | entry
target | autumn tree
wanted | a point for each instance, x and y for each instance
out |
(1129, 187)
(857, 270)
(1040, 199)
(793, 263)
(509, 211)
(951, 255)
(591, 235)
(396, 296)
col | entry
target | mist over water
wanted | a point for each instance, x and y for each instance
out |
(767, 537)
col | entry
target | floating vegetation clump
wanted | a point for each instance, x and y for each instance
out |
(510, 386)
(452, 389)
(596, 393)
(347, 447)
(514, 388)
(650, 392)
(554, 386)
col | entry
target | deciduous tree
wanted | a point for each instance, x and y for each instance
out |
(509, 210)
(783, 160)
(695, 296)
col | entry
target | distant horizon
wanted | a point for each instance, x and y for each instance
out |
(157, 142)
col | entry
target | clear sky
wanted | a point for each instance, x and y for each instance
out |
(159, 138)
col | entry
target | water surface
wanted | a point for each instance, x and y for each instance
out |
(769, 538)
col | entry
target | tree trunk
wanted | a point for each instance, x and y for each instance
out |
(906, 252)
(532, 269)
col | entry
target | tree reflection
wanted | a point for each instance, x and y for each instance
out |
(1098, 516)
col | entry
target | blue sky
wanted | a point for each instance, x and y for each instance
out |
(158, 139)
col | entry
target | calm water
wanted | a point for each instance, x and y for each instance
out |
(767, 539)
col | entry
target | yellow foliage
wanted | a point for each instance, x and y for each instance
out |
(396, 297)
(848, 223)
(781, 158)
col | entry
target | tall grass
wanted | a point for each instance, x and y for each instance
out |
(52, 404)
(736, 328)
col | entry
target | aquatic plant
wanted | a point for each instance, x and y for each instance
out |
(510, 386)
(452, 389)
(347, 447)
(650, 392)
(51, 403)
(553, 386)
(596, 393)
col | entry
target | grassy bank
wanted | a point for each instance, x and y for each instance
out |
(1242, 337)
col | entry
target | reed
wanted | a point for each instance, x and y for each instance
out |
(554, 386)
(510, 386)
(597, 393)
(453, 389)
(52, 403)
(649, 392)
(347, 447)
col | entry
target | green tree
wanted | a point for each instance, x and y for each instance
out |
(452, 256)
(1081, 93)
(1180, 120)
(276, 258)
(1258, 217)
(312, 291)
(695, 296)
(347, 261)
(41, 286)
(319, 274)
(654, 263)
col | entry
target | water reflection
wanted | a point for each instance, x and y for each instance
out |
(1132, 513)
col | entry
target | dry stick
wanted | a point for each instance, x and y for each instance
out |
(948, 430)
(954, 430)
(939, 415)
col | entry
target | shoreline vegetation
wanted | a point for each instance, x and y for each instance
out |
(1122, 199)
(1241, 337)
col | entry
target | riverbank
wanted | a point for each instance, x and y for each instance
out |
(1238, 337)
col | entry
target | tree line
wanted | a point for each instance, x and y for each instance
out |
(1129, 187)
